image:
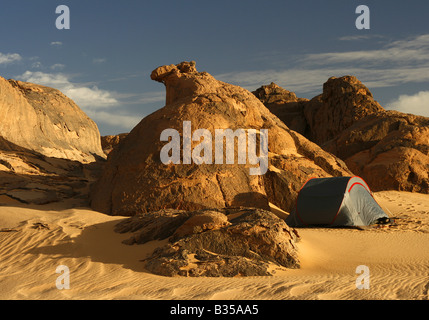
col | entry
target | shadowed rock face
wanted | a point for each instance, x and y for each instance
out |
(28, 177)
(212, 243)
(389, 149)
(285, 105)
(135, 180)
(44, 120)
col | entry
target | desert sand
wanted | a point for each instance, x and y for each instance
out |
(35, 240)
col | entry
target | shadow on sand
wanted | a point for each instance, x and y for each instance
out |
(100, 244)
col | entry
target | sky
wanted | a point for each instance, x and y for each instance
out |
(104, 60)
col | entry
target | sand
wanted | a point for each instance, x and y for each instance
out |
(35, 240)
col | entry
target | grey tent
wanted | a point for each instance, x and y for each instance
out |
(336, 202)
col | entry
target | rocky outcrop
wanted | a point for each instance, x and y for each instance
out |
(213, 243)
(344, 101)
(135, 180)
(44, 120)
(285, 105)
(388, 149)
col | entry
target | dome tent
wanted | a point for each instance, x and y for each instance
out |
(336, 202)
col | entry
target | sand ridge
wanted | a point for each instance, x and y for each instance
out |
(35, 240)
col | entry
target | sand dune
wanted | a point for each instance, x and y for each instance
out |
(35, 240)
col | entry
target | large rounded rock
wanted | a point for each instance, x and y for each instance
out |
(136, 180)
(44, 120)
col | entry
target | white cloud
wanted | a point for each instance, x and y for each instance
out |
(377, 78)
(360, 37)
(99, 60)
(371, 57)
(311, 80)
(126, 122)
(410, 51)
(152, 97)
(9, 58)
(58, 66)
(91, 97)
(397, 63)
(416, 104)
(92, 100)
(87, 98)
(36, 65)
(56, 43)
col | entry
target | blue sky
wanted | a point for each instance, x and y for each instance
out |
(104, 61)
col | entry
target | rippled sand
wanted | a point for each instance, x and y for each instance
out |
(35, 240)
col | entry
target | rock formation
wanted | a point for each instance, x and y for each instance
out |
(135, 180)
(109, 142)
(285, 105)
(44, 120)
(344, 101)
(389, 149)
(212, 243)
(48, 146)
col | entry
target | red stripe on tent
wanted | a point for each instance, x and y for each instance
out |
(356, 184)
(367, 188)
(337, 212)
(366, 185)
(350, 189)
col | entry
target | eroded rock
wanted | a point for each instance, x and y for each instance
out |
(218, 242)
(135, 180)
(44, 120)
(389, 149)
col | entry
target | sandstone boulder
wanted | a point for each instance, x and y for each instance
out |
(44, 120)
(217, 242)
(135, 180)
